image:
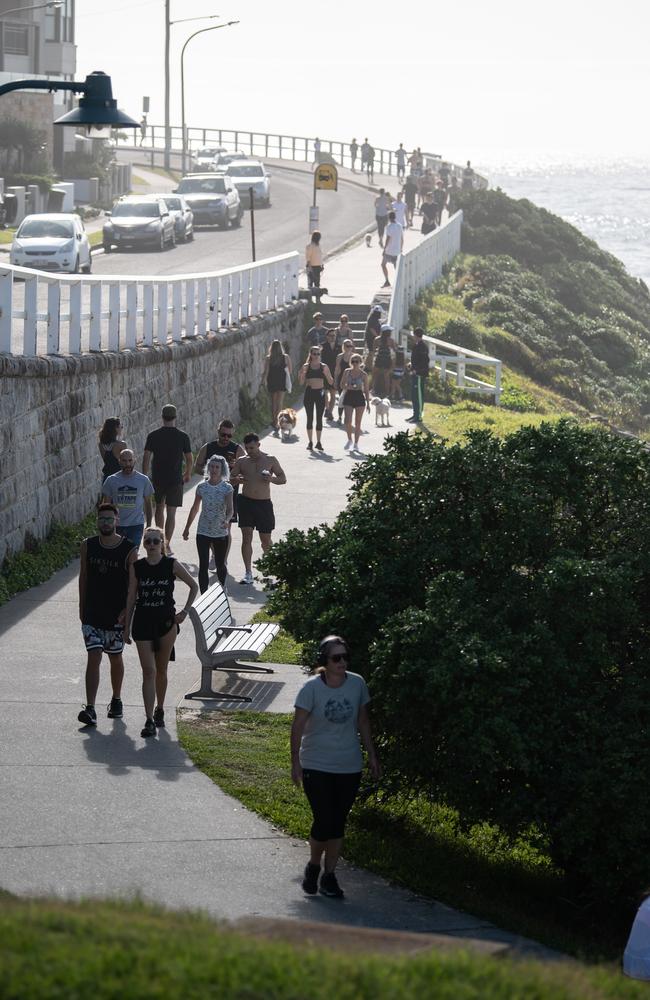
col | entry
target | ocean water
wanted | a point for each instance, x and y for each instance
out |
(608, 199)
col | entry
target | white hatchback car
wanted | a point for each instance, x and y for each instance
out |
(52, 242)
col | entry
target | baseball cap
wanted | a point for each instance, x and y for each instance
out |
(386, 328)
(376, 309)
(169, 412)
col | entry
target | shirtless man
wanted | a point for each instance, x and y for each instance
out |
(255, 472)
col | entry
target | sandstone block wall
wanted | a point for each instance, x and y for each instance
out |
(51, 409)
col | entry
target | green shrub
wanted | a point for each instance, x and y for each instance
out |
(40, 559)
(43, 183)
(496, 595)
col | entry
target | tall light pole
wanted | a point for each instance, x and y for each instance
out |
(213, 27)
(97, 110)
(168, 24)
(53, 4)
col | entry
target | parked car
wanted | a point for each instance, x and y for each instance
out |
(226, 157)
(53, 241)
(247, 174)
(139, 221)
(182, 215)
(213, 200)
(207, 158)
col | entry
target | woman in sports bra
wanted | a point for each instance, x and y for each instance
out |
(315, 376)
(154, 625)
(356, 398)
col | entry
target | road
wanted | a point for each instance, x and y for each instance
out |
(279, 229)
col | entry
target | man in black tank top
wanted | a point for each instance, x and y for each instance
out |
(103, 586)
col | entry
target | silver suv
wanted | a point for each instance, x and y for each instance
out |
(214, 200)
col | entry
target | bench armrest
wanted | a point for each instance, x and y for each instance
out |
(225, 630)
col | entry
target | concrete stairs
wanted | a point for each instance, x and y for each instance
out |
(357, 315)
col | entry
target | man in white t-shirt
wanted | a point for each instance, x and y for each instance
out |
(393, 242)
(382, 208)
(400, 156)
(399, 208)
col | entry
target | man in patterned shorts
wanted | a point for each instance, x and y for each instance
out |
(103, 586)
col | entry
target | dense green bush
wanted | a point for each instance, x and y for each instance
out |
(497, 597)
(40, 559)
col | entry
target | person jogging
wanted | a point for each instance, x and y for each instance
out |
(104, 561)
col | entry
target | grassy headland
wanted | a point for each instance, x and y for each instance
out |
(570, 324)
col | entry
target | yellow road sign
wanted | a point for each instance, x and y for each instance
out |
(326, 177)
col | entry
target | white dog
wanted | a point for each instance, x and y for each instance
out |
(382, 409)
(287, 419)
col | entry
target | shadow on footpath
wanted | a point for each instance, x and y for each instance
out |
(15, 611)
(120, 752)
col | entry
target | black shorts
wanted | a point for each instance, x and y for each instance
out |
(257, 514)
(170, 495)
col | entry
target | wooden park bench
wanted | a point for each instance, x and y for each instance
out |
(219, 642)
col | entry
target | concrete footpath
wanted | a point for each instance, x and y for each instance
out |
(103, 812)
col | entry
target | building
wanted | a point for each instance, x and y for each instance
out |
(38, 40)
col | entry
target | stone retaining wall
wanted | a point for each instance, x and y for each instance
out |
(51, 409)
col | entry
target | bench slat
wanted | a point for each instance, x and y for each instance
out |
(248, 638)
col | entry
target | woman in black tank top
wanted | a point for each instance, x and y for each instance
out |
(156, 621)
(110, 446)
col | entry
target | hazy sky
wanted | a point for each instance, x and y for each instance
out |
(459, 78)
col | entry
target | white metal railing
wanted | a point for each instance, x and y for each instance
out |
(272, 145)
(452, 361)
(421, 266)
(43, 313)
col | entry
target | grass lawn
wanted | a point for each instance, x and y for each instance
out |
(53, 950)
(422, 847)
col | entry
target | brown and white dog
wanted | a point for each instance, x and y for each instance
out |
(287, 419)
(382, 410)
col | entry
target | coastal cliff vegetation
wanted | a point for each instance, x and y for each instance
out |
(532, 290)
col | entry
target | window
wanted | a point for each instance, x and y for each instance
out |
(16, 40)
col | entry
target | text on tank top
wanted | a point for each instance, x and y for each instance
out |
(155, 586)
(107, 582)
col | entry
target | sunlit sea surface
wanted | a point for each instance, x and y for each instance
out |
(609, 200)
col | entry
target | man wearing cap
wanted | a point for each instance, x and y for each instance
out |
(168, 452)
(419, 368)
(317, 333)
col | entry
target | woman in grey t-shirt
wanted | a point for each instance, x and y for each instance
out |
(331, 711)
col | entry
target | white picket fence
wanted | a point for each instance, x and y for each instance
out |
(43, 313)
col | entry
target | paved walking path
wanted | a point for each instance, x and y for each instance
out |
(104, 813)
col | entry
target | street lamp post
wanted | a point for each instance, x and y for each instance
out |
(213, 27)
(97, 109)
(168, 24)
(53, 4)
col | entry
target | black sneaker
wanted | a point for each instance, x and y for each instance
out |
(88, 716)
(330, 887)
(115, 709)
(319, 446)
(149, 728)
(310, 880)
(310, 446)
(159, 718)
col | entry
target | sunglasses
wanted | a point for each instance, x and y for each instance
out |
(225, 434)
(339, 657)
(152, 541)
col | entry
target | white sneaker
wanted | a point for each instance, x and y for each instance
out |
(247, 578)
(347, 445)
